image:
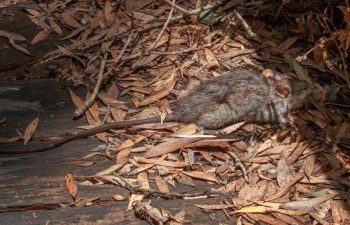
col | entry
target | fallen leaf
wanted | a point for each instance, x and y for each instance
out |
(133, 198)
(108, 10)
(169, 145)
(71, 185)
(212, 62)
(201, 175)
(70, 20)
(161, 184)
(28, 133)
(159, 94)
(41, 36)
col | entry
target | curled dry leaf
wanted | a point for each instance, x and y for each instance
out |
(71, 185)
(28, 133)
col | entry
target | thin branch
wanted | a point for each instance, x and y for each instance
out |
(92, 98)
(165, 25)
(116, 61)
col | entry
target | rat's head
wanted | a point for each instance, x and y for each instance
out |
(301, 93)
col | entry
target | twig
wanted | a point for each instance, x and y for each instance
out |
(116, 61)
(192, 12)
(238, 163)
(165, 25)
(280, 8)
(92, 98)
(246, 26)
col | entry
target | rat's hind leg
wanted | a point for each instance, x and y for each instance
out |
(216, 117)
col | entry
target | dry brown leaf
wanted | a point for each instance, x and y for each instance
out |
(78, 102)
(278, 149)
(297, 153)
(110, 170)
(11, 35)
(54, 26)
(70, 20)
(161, 184)
(206, 156)
(337, 219)
(31, 128)
(122, 155)
(164, 39)
(85, 163)
(266, 219)
(131, 142)
(141, 169)
(41, 36)
(19, 48)
(93, 109)
(143, 16)
(212, 62)
(108, 10)
(142, 180)
(71, 185)
(119, 197)
(215, 143)
(309, 165)
(284, 190)
(159, 94)
(283, 170)
(289, 42)
(307, 204)
(169, 145)
(134, 198)
(10, 139)
(186, 180)
(207, 176)
(161, 162)
(215, 207)
(33, 12)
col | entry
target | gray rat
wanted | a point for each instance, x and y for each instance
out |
(239, 95)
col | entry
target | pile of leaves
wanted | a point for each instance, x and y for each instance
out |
(138, 57)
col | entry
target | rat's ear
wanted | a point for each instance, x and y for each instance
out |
(283, 90)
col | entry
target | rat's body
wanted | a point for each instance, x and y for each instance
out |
(241, 95)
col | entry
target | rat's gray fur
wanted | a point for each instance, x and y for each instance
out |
(240, 95)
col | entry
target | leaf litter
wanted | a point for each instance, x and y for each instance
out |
(136, 61)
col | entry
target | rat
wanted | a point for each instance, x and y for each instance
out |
(239, 95)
